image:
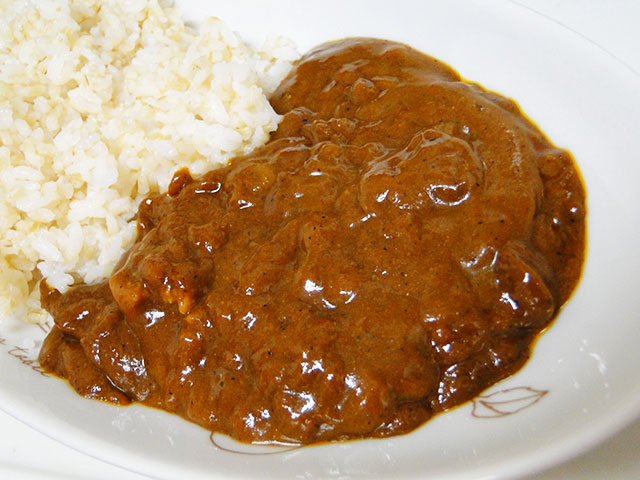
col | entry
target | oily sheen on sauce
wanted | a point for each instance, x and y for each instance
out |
(392, 251)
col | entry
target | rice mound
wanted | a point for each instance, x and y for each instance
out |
(100, 103)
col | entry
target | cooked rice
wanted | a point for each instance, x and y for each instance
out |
(100, 102)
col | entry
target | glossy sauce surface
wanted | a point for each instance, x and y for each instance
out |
(391, 252)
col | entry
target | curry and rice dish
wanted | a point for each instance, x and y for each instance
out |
(393, 250)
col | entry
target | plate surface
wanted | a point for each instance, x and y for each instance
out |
(581, 384)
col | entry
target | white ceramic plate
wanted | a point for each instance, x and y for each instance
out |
(581, 384)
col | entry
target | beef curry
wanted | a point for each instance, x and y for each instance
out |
(392, 251)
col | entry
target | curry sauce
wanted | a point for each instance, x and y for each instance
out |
(391, 252)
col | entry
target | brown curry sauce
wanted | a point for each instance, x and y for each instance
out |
(390, 253)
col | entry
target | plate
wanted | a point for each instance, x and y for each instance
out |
(581, 384)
